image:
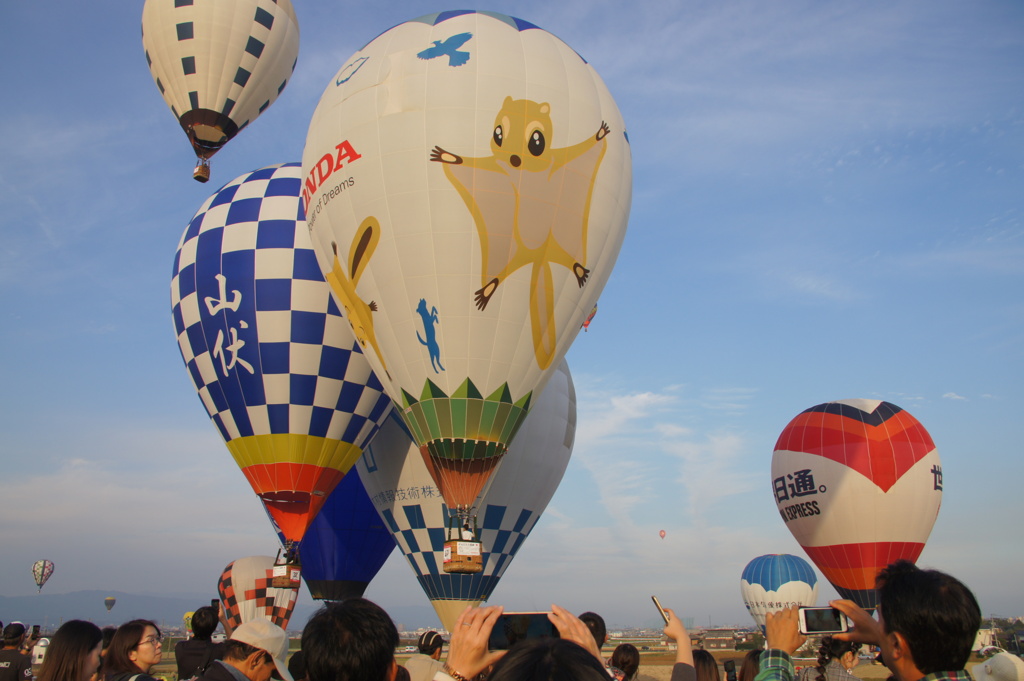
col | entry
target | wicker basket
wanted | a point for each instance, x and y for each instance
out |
(463, 557)
(201, 173)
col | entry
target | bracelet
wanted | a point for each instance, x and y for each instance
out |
(454, 674)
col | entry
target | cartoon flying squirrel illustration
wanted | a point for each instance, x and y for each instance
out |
(343, 283)
(531, 206)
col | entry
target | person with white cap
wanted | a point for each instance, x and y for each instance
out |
(257, 650)
(427, 662)
(1000, 667)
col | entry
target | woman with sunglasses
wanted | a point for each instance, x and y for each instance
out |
(135, 649)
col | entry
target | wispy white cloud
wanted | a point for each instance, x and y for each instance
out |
(953, 396)
(171, 496)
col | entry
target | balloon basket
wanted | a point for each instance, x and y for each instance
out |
(463, 557)
(287, 572)
(463, 554)
(201, 173)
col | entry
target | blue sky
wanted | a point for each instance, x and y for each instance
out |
(827, 204)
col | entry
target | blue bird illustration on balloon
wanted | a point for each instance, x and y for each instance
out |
(449, 48)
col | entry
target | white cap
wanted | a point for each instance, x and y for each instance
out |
(267, 636)
(1000, 667)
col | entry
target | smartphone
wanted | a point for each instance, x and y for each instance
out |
(215, 604)
(823, 621)
(35, 631)
(515, 626)
(664, 615)
(730, 670)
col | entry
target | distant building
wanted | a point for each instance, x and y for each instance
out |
(719, 639)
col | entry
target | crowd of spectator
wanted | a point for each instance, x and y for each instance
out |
(925, 627)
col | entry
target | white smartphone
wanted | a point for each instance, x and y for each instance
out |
(664, 615)
(823, 621)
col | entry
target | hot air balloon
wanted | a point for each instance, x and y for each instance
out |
(219, 65)
(775, 582)
(41, 571)
(590, 318)
(187, 620)
(466, 172)
(661, 534)
(403, 492)
(109, 602)
(859, 484)
(347, 544)
(274, 363)
(246, 587)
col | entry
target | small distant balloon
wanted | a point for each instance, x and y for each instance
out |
(586, 324)
(662, 534)
(41, 571)
(109, 602)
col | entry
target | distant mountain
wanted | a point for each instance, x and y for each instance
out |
(49, 610)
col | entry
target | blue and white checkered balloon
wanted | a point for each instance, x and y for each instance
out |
(400, 487)
(275, 364)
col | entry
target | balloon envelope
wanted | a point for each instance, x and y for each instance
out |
(403, 492)
(346, 545)
(777, 581)
(219, 65)
(109, 602)
(859, 484)
(274, 363)
(468, 181)
(245, 588)
(41, 571)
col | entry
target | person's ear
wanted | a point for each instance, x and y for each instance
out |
(255, 660)
(393, 672)
(899, 646)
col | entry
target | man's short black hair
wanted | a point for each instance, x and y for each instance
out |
(353, 640)
(595, 623)
(204, 623)
(936, 614)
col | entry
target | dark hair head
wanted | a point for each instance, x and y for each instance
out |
(548, 659)
(751, 666)
(108, 636)
(402, 674)
(69, 651)
(707, 668)
(125, 640)
(204, 623)
(352, 640)
(429, 642)
(934, 612)
(627, 658)
(595, 623)
(833, 649)
(297, 665)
